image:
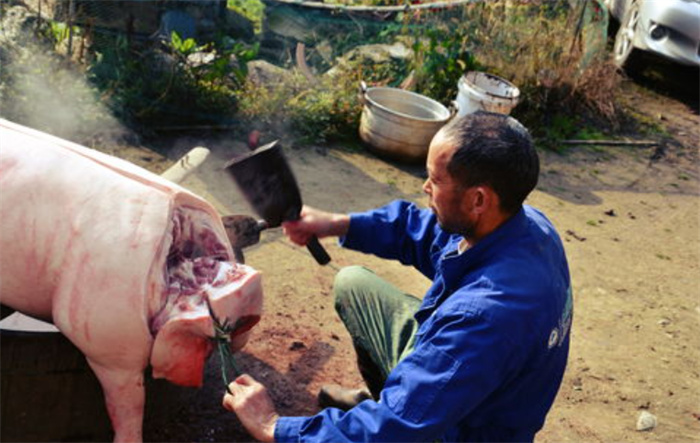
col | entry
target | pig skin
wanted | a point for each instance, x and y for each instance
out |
(86, 243)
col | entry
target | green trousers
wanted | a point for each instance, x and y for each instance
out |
(379, 318)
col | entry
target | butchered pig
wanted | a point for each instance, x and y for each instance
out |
(123, 262)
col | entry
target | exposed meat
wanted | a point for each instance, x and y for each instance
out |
(121, 261)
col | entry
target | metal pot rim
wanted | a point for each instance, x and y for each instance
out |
(435, 105)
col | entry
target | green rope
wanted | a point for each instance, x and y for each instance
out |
(222, 337)
(226, 356)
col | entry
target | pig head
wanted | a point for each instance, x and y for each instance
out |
(122, 261)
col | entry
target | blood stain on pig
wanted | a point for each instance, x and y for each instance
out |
(244, 324)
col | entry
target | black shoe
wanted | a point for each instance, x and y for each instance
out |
(334, 396)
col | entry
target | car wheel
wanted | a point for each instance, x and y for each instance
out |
(623, 50)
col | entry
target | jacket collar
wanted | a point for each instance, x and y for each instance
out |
(488, 246)
(452, 267)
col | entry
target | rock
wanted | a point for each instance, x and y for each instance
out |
(238, 26)
(399, 51)
(200, 58)
(290, 23)
(664, 322)
(177, 21)
(162, 61)
(379, 53)
(19, 26)
(262, 73)
(297, 345)
(371, 55)
(646, 421)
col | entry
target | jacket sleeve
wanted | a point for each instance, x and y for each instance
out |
(461, 359)
(399, 231)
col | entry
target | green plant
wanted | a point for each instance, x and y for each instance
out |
(253, 10)
(59, 31)
(218, 69)
(318, 113)
(441, 58)
(589, 133)
(181, 83)
(183, 47)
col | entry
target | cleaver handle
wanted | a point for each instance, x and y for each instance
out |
(317, 250)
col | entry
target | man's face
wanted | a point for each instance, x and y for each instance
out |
(447, 198)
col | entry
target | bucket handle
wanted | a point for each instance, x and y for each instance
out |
(363, 92)
(454, 109)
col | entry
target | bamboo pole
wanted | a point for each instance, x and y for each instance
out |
(407, 7)
(611, 142)
(71, 13)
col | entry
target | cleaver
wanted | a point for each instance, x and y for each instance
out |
(268, 183)
(242, 231)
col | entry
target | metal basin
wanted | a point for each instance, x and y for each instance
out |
(400, 124)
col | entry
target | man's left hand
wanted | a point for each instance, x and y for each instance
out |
(252, 404)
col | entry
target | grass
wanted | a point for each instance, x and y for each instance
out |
(565, 76)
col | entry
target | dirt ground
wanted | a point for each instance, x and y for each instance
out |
(628, 217)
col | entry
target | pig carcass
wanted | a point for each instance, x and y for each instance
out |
(125, 263)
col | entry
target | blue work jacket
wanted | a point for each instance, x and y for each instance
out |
(492, 341)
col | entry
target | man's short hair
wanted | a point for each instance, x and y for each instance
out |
(495, 150)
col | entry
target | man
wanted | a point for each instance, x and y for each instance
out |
(482, 356)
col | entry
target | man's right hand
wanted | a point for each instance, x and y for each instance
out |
(252, 404)
(315, 222)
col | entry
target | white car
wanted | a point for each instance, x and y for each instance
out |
(670, 28)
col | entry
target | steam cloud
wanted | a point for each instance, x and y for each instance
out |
(41, 90)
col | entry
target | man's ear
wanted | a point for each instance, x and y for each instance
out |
(484, 199)
(480, 199)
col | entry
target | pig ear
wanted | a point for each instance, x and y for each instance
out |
(180, 350)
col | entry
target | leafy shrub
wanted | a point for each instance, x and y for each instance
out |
(556, 54)
(162, 85)
(312, 113)
(441, 59)
(253, 10)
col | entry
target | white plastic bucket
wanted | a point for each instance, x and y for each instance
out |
(479, 91)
